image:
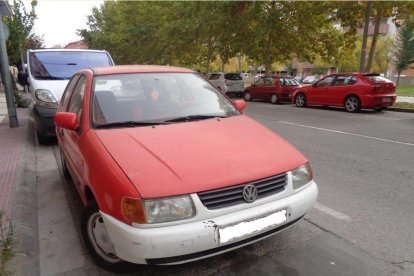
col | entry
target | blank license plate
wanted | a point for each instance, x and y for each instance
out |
(246, 228)
(386, 100)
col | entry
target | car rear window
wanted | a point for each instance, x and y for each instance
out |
(233, 76)
(214, 77)
(377, 79)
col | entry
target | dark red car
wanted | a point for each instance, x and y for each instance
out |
(353, 91)
(273, 89)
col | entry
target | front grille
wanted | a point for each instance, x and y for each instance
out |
(230, 196)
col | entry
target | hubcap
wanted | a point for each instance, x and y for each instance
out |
(247, 96)
(351, 104)
(100, 239)
(273, 99)
(300, 100)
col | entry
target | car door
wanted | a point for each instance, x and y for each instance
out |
(319, 93)
(339, 90)
(264, 88)
(70, 139)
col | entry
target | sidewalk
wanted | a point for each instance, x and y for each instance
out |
(18, 198)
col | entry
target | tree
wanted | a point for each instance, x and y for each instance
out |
(20, 24)
(404, 53)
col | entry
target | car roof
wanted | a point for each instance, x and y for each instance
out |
(129, 69)
(65, 50)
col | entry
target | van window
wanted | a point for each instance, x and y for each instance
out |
(56, 65)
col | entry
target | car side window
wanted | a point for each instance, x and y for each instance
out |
(352, 80)
(76, 100)
(260, 82)
(68, 92)
(269, 82)
(341, 80)
(326, 81)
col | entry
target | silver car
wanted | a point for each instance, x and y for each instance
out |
(229, 83)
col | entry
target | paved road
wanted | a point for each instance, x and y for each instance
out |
(361, 225)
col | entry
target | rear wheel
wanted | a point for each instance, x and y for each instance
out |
(274, 99)
(42, 139)
(300, 100)
(98, 241)
(352, 104)
(247, 96)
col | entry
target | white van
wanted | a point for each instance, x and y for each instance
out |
(48, 73)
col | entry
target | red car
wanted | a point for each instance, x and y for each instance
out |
(159, 158)
(273, 89)
(353, 91)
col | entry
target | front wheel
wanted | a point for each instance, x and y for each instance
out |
(98, 241)
(274, 99)
(247, 96)
(300, 100)
(352, 104)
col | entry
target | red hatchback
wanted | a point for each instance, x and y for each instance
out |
(158, 155)
(273, 89)
(353, 91)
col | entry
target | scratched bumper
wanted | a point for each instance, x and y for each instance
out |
(197, 239)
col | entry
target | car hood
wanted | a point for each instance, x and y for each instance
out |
(190, 157)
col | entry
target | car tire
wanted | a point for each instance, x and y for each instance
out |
(300, 100)
(274, 99)
(65, 169)
(248, 96)
(98, 242)
(352, 104)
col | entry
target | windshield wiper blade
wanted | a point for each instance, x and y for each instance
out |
(130, 124)
(193, 118)
(50, 78)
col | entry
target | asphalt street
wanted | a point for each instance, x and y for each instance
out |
(362, 224)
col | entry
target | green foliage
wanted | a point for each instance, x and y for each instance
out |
(20, 100)
(6, 243)
(404, 53)
(405, 91)
(20, 24)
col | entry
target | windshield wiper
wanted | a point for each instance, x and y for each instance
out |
(189, 118)
(130, 124)
(49, 78)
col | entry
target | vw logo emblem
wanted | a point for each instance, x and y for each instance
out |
(249, 193)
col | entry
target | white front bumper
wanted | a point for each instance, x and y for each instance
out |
(180, 243)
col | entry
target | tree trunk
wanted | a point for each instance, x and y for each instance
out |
(268, 59)
(374, 39)
(398, 78)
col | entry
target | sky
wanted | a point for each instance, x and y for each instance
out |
(58, 20)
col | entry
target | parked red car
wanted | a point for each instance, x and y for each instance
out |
(159, 158)
(353, 91)
(273, 89)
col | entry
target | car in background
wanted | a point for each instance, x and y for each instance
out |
(353, 91)
(273, 89)
(309, 79)
(229, 83)
(48, 73)
(163, 168)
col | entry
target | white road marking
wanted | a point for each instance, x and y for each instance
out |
(348, 133)
(331, 212)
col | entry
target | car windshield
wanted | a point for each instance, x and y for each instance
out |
(233, 76)
(139, 99)
(55, 65)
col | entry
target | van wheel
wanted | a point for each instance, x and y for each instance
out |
(98, 241)
(42, 139)
(274, 99)
(352, 104)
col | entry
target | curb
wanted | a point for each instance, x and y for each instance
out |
(400, 110)
(24, 211)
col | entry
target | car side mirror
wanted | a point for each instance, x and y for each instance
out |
(240, 104)
(67, 120)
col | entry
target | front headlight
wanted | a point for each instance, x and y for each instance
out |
(45, 98)
(168, 209)
(301, 176)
